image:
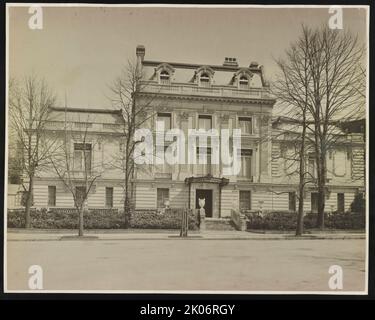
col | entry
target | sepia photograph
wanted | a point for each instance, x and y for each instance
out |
(207, 149)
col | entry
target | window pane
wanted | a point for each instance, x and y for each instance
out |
(77, 160)
(164, 77)
(292, 201)
(244, 83)
(51, 196)
(166, 118)
(164, 167)
(246, 163)
(205, 80)
(245, 200)
(245, 125)
(314, 202)
(109, 197)
(88, 160)
(162, 197)
(205, 122)
(204, 168)
(340, 202)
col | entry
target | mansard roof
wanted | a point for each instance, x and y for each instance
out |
(221, 75)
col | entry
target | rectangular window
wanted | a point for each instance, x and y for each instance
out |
(204, 168)
(80, 195)
(164, 77)
(245, 125)
(340, 202)
(82, 157)
(246, 170)
(314, 202)
(245, 200)
(166, 118)
(204, 122)
(109, 197)
(164, 168)
(77, 160)
(292, 201)
(51, 196)
(162, 197)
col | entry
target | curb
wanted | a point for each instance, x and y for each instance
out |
(192, 237)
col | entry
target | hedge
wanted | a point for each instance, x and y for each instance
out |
(67, 218)
(153, 219)
(287, 220)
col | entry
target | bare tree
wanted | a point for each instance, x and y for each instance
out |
(74, 166)
(292, 90)
(335, 58)
(30, 101)
(323, 80)
(136, 112)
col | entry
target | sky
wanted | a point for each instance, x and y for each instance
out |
(81, 50)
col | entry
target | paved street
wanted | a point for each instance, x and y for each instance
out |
(175, 264)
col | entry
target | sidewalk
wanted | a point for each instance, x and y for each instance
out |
(140, 234)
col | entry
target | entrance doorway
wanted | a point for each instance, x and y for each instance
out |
(206, 194)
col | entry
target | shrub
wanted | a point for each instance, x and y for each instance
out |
(358, 204)
(67, 218)
(153, 219)
(287, 220)
(272, 220)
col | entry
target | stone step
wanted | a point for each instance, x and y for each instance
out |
(221, 224)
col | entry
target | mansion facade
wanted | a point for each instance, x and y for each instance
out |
(193, 96)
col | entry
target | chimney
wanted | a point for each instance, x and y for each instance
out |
(140, 52)
(230, 62)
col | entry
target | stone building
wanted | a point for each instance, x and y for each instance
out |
(199, 96)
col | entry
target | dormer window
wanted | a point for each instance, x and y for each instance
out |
(242, 78)
(243, 83)
(204, 80)
(204, 76)
(164, 73)
(164, 77)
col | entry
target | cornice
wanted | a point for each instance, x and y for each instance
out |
(265, 101)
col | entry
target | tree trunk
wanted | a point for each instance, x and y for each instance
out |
(321, 206)
(80, 222)
(301, 187)
(29, 201)
(299, 230)
(321, 193)
(82, 211)
(127, 210)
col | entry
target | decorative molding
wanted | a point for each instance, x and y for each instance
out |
(183, 115)
(205, 69)
(263, 101)
(165, 66)
(165, 109)
(244, 72)
(224, 117)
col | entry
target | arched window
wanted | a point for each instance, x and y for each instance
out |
(243, 83)
(204, 80)
(164, 77)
